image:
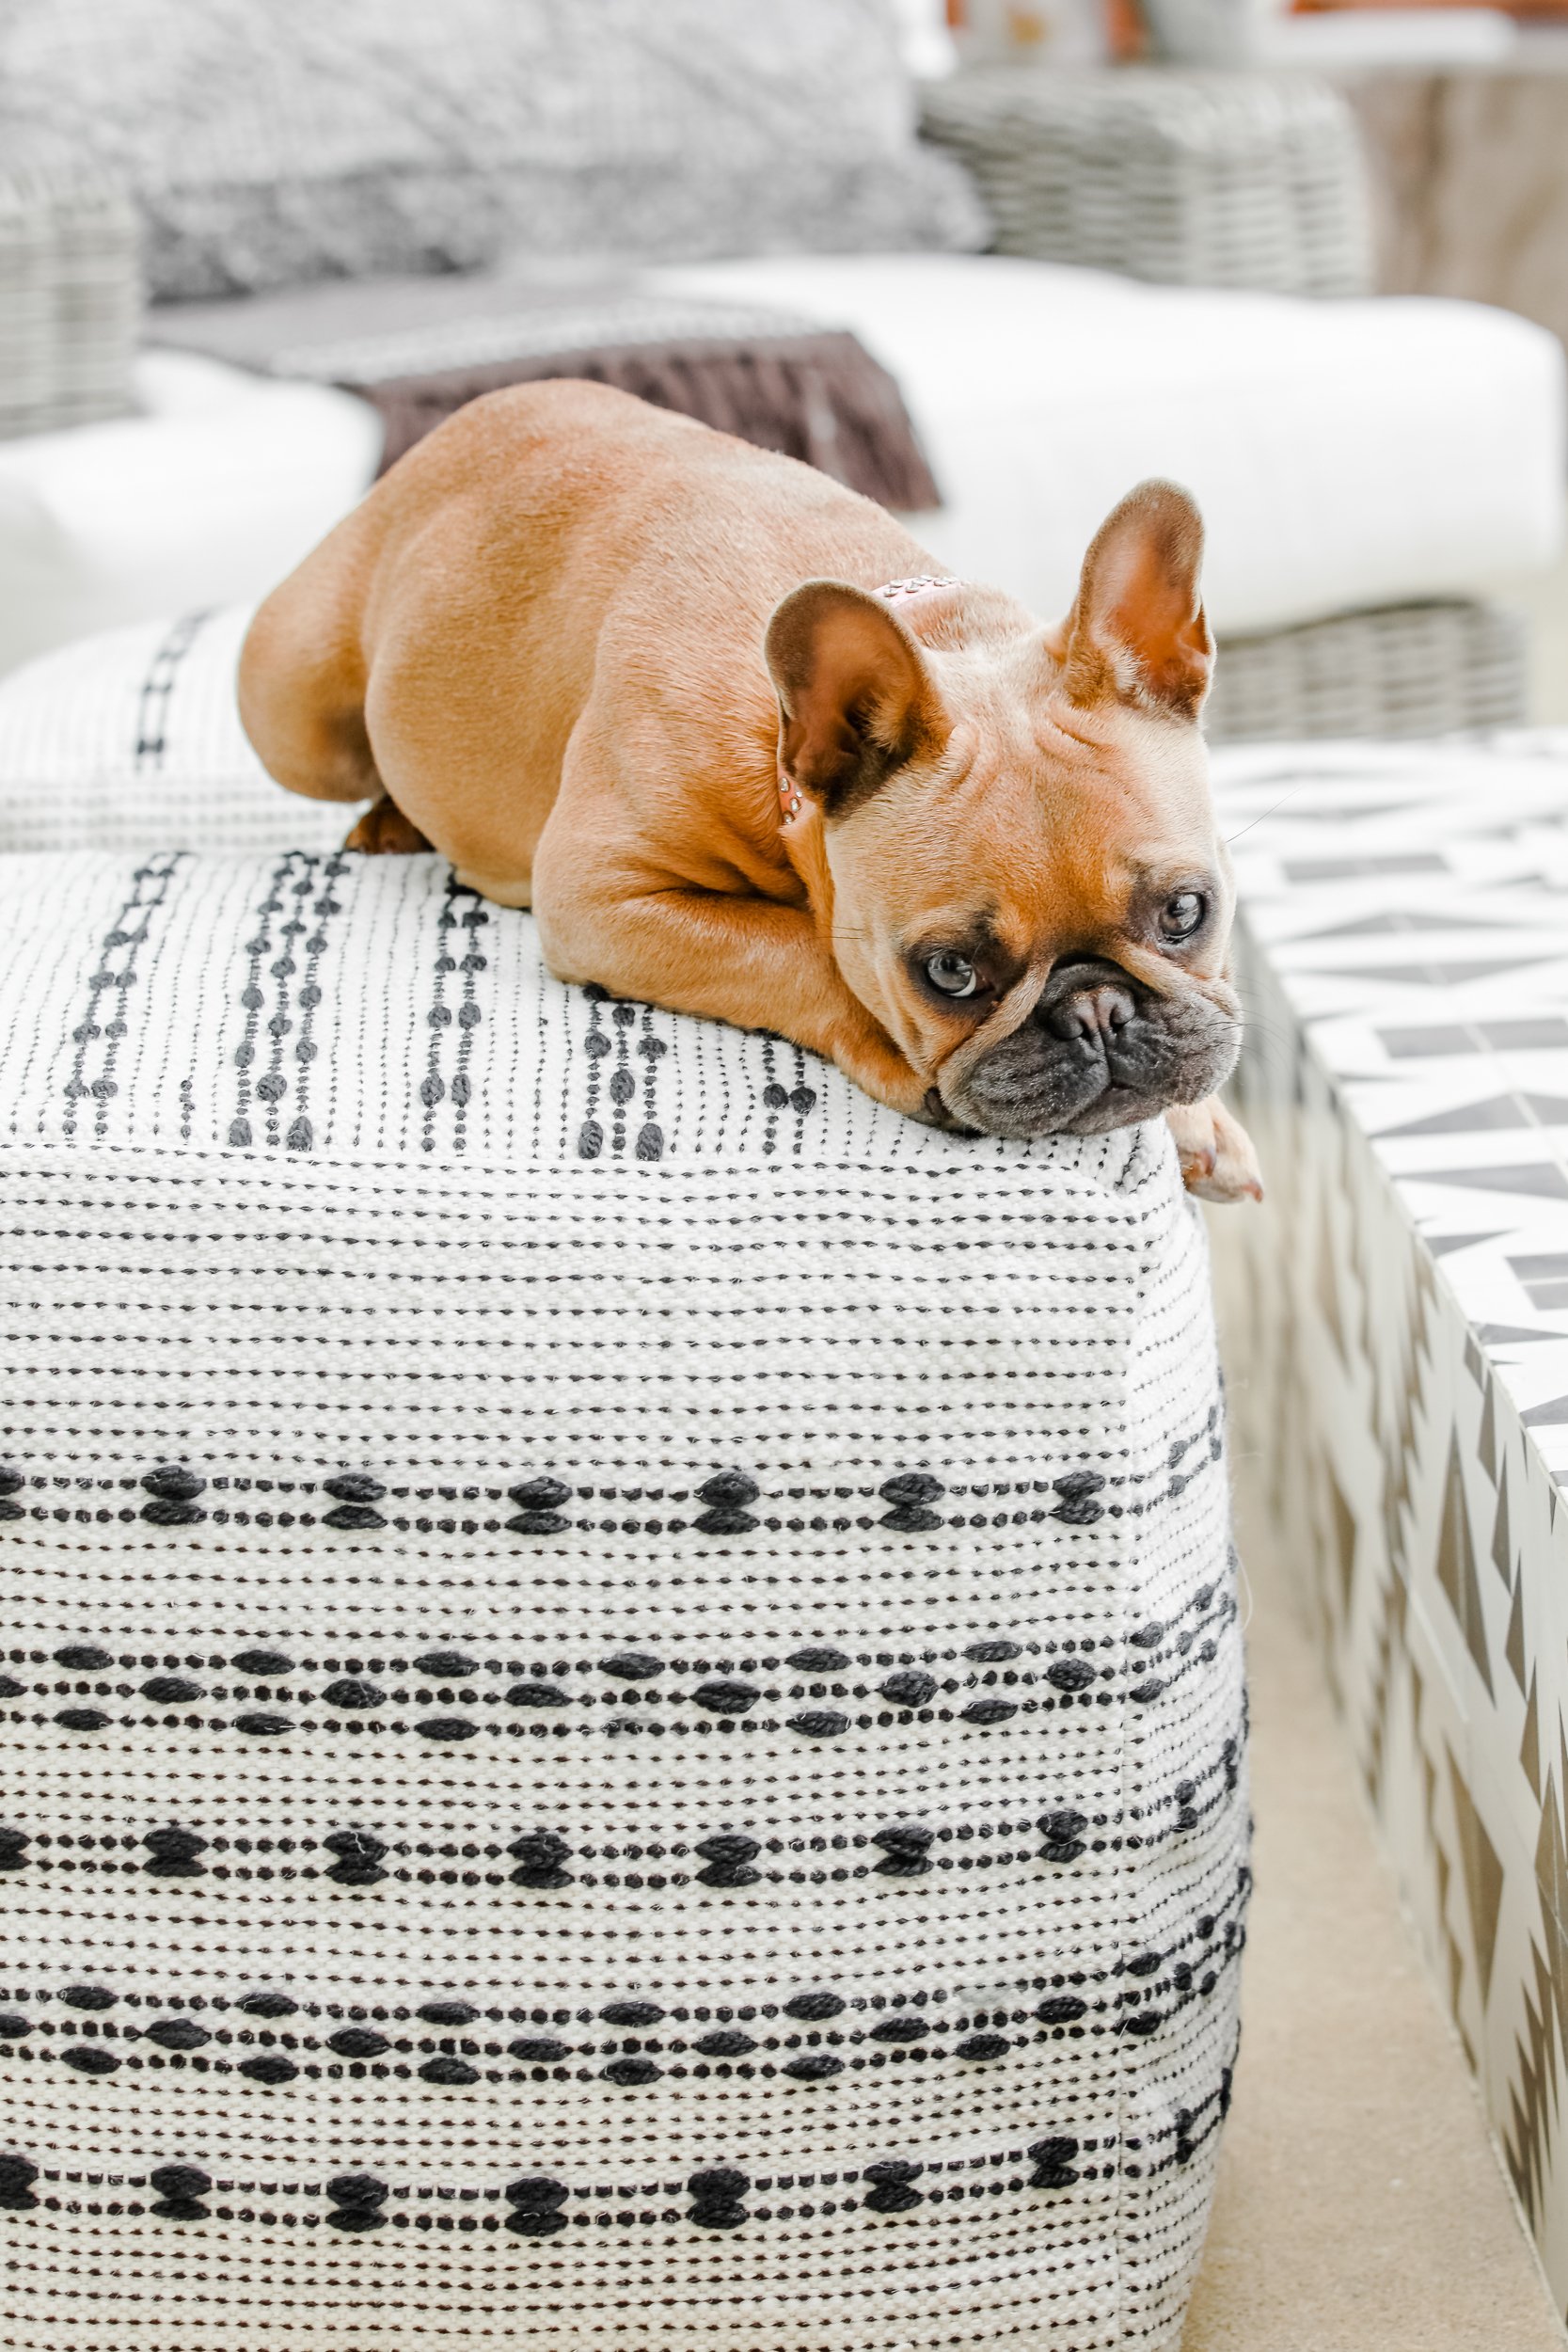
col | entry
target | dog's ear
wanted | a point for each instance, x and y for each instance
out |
(1137, 632)
(855, 698)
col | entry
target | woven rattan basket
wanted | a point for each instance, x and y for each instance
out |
(1188, 179)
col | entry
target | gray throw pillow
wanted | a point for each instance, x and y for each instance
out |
(271, 144)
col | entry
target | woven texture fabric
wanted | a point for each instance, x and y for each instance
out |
(624, 1716)
(131, 738)
(818, 397)
(1190, 178)
(267, 147)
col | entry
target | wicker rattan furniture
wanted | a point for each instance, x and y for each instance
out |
(1410, 669)
(1190, 178)
(1238, 180)
(69, 298)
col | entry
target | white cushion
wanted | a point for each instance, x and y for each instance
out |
(134, 737)
(215, 491)
(1345, 454)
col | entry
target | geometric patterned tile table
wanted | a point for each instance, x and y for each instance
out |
(1398, 1323)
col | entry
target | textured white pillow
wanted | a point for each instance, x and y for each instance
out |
(132, 739)
(268, 146)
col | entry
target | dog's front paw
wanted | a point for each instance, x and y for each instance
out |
(867, 1055)
(1218, 1162)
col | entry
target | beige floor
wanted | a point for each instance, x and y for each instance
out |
(1544, 604)
(1361, 2207)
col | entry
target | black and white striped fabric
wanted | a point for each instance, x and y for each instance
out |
(622, 1713)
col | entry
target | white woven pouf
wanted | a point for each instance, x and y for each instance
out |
(623, 1709)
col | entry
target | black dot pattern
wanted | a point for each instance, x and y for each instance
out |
(621, 1672)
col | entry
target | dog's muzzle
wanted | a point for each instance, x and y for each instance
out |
(1096, 1050)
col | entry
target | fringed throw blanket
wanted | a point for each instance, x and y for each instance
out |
(419, 348)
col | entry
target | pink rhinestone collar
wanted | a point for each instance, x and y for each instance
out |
(893, 589)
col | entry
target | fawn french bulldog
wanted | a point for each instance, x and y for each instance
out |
(745, 752)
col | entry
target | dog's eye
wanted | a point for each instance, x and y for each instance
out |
(1183, 915)
(952, 974)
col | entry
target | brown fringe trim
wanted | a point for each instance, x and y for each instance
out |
(819, 397)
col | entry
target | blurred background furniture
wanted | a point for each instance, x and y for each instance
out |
(1179, 288)
(1189, 179)
(71, 298)
(1424, 668)
(418, 348)
(1349, 458)
(1470, 174)
(268, 146)
(212, 482)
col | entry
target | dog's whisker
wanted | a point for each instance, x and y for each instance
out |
(1264, 814)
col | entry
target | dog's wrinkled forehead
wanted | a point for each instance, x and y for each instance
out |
(1058, 827)
(1031, 840)
(864, 700)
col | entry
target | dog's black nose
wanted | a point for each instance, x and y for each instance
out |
(1097, 1012)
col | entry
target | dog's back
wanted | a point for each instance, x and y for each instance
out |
(530, 554)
